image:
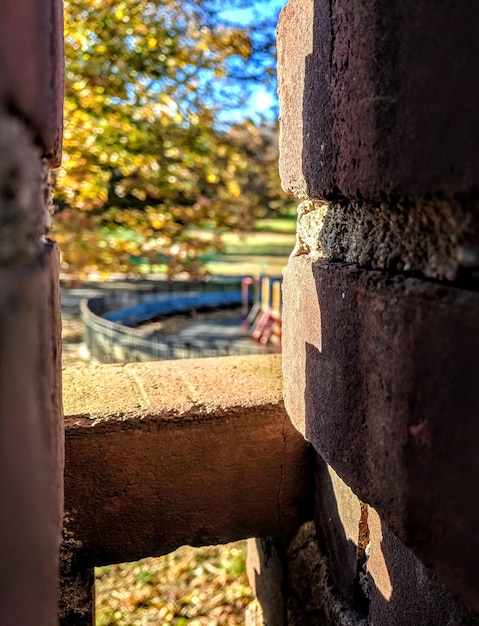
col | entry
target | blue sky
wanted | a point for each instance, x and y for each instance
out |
(247, 15)
(262, 100)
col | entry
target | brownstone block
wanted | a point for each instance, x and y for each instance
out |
(164, 454)
(402, 590)
(379, 98)
(31, 440)
(32, 68)
(380, 375)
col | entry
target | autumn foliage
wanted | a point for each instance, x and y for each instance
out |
(153, 171)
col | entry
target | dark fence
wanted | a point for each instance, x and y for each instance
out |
(111, 342)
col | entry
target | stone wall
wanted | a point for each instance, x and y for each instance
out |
(31, 439)
(379, 139)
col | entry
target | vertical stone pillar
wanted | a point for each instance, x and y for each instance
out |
(31, 433)
(31, 428)
(379, 138)
(265, 566)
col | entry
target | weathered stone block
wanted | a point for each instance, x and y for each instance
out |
(32, 68)
(31, 440)
(379, 98)
(402, 590)
(164, 454)
(380, 375)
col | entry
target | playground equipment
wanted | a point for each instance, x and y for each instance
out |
(264, 318)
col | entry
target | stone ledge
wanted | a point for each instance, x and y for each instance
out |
(169, 453)
(381, 376)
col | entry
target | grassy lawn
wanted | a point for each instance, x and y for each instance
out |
(286, 224)
(262, 251)
(227, 266)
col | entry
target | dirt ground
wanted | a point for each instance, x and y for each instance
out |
(176, 323)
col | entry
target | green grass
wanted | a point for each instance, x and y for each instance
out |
(255, 253)
(259, 243)
(271, 267)
(285, 224)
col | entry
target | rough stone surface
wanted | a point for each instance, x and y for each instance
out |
(379, 99)
(402, 590)
(311, 598)
(380, 375)
(165, 454)
(437, 239)
(32, 77)
(24, 193)
(31, 438)
(181, 388)
(77, 583)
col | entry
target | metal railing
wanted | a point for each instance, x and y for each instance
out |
(112, 342)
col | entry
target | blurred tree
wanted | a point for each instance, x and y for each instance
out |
(146, 163)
